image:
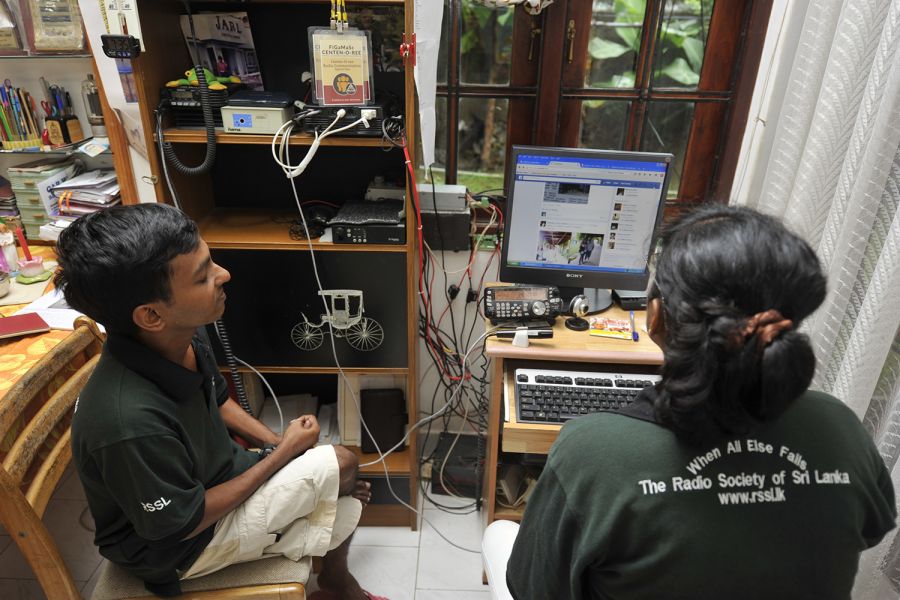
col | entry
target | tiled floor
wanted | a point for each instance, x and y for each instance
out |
(388, 561)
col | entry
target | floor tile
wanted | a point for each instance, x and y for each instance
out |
(386, 536)
(88, 588)
(446, 567)
(385, 571)
(452, 595)
(448, 501)
(75, 541)
(13, 565)
(21, 589)
(69, 486)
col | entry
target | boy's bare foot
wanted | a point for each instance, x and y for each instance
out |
(362, 491)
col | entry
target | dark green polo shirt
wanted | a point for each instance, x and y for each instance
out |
(623, 509)
(148, 441)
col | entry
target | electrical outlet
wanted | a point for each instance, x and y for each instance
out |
(426, 471)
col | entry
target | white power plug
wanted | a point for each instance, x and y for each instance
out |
(368, 114)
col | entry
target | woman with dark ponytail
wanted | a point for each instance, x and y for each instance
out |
(731, 288)
(729, 479)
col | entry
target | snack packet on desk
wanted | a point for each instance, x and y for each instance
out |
(613, 328)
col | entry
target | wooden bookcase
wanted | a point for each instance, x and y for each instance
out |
(243, 203)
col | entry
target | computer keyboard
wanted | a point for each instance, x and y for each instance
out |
(554, 397)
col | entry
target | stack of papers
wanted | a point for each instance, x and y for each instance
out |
(50, 231)
(87, 193)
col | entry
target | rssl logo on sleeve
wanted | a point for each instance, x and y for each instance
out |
(156, 505)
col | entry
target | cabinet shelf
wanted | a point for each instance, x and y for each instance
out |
(198, 136)
(508, 514)
(259, 229)
(397, 462)
(324, 370)
(39, 56)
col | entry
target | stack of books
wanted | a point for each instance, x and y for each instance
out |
(8, 206)
(86, 193)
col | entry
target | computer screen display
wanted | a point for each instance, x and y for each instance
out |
(582, 218)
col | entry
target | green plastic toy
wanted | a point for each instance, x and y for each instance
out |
(212, 81)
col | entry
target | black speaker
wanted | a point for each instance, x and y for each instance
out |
(384, 412)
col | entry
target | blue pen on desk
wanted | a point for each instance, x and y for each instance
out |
(634, 333)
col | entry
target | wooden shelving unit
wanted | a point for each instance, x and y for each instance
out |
(397, 462)
(323, 370)
(198, 136)
(244, 208)
(508, 514)
(262, 229)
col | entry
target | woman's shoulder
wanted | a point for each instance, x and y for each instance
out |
(608, 432)
(821, 405)
(826, 417)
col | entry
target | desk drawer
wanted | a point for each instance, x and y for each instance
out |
(32, 230)
(24, 181)
(33, 214)
(29, 200)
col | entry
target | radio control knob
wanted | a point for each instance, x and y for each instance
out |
(539, 308)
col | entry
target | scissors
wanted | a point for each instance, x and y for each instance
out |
(50, 111)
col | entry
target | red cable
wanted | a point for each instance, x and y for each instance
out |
(425, 298)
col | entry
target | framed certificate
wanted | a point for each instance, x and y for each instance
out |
(56, 26)
(342, 66)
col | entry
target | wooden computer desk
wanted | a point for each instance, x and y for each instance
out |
(567, 350)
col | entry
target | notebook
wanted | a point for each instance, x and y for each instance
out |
(25, 324)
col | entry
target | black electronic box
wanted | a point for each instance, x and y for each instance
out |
(369, 222)
(326, 115)
(522, 303)
(630, 300)
(369, 234)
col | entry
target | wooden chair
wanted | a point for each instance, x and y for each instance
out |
(35, 431)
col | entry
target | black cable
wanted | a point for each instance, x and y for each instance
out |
(231, 361)
(440, 233)
(448, 368)
(393, 131)
(208, 120)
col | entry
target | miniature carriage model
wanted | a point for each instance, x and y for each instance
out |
(345, 317)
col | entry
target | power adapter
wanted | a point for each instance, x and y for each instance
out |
(453, 291)
(471, 296)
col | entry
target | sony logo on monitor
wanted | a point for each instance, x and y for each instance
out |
(575, 275)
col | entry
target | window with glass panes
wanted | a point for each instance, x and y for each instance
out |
(656, 75)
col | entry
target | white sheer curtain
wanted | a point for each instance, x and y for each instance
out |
(829, 165)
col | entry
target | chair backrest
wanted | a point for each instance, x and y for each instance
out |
(35, 431)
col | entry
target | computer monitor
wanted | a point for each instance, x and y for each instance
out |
(579, 218)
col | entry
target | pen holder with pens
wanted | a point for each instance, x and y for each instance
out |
(60, 121)
(21, 144)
